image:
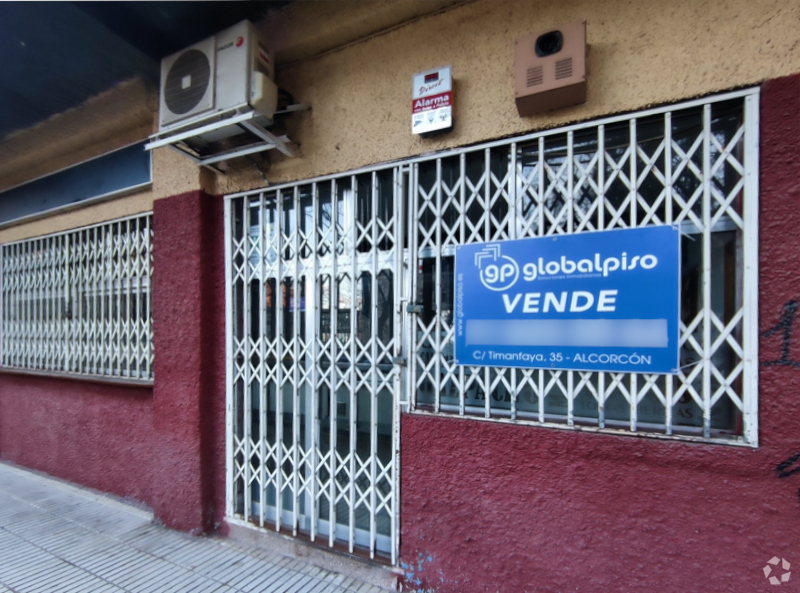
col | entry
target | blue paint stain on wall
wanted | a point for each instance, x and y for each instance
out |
(414, 571)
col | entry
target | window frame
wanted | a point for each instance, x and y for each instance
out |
(78, 303)
(434, 198)
(413, 249)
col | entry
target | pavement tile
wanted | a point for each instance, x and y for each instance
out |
(55, 537)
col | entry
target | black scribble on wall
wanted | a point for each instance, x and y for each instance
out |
(785, 465)
(783, 470)
(784, 326)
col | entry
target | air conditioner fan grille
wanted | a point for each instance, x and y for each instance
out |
(187, 82)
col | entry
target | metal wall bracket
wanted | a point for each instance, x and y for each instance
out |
(234, 133)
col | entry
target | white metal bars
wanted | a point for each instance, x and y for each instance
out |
(694, 165)
(312, 331)
(79, 302)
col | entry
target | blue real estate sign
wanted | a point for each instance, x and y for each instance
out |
(600, 301)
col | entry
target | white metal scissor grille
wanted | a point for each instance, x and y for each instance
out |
(317, 327)
(694, 165)
(312, 331)
(79, 302)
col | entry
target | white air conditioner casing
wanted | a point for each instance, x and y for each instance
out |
(231, 70)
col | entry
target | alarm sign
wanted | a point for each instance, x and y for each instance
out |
(432, 101)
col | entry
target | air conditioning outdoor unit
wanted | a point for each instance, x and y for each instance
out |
(231, 70)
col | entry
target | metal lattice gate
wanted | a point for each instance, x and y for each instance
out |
(79, 302)
(313, 330)
(693, 165)
(319, 275)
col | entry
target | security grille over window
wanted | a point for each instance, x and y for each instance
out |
(340, 307)
(693, 165)
(79, 302)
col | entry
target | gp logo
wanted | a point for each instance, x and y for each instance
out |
(497, 272)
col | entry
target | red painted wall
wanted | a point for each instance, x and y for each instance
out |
(189, 343)
(93, 434)
(485, 507)
(165, 445)
(495, 507)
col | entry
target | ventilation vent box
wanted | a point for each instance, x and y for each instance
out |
(550, 69)
(231, 70)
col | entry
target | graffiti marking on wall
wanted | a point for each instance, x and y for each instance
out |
(783, 470)
(784, 326)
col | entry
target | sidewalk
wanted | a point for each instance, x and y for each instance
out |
(61, 538)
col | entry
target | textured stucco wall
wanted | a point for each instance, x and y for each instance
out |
(510, 508)
(640, 54)
(93, 434)
(495, 507)
(164, 445)
(119, 116)
(173, 174)
(189, 386)
(302, 30)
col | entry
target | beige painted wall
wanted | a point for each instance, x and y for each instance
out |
(172, 174)
(117, 117)
(641, 53)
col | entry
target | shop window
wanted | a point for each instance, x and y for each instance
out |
(341, 294)
(79, 302)
(694, 166)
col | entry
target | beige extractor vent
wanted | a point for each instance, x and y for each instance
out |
(550, 69)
